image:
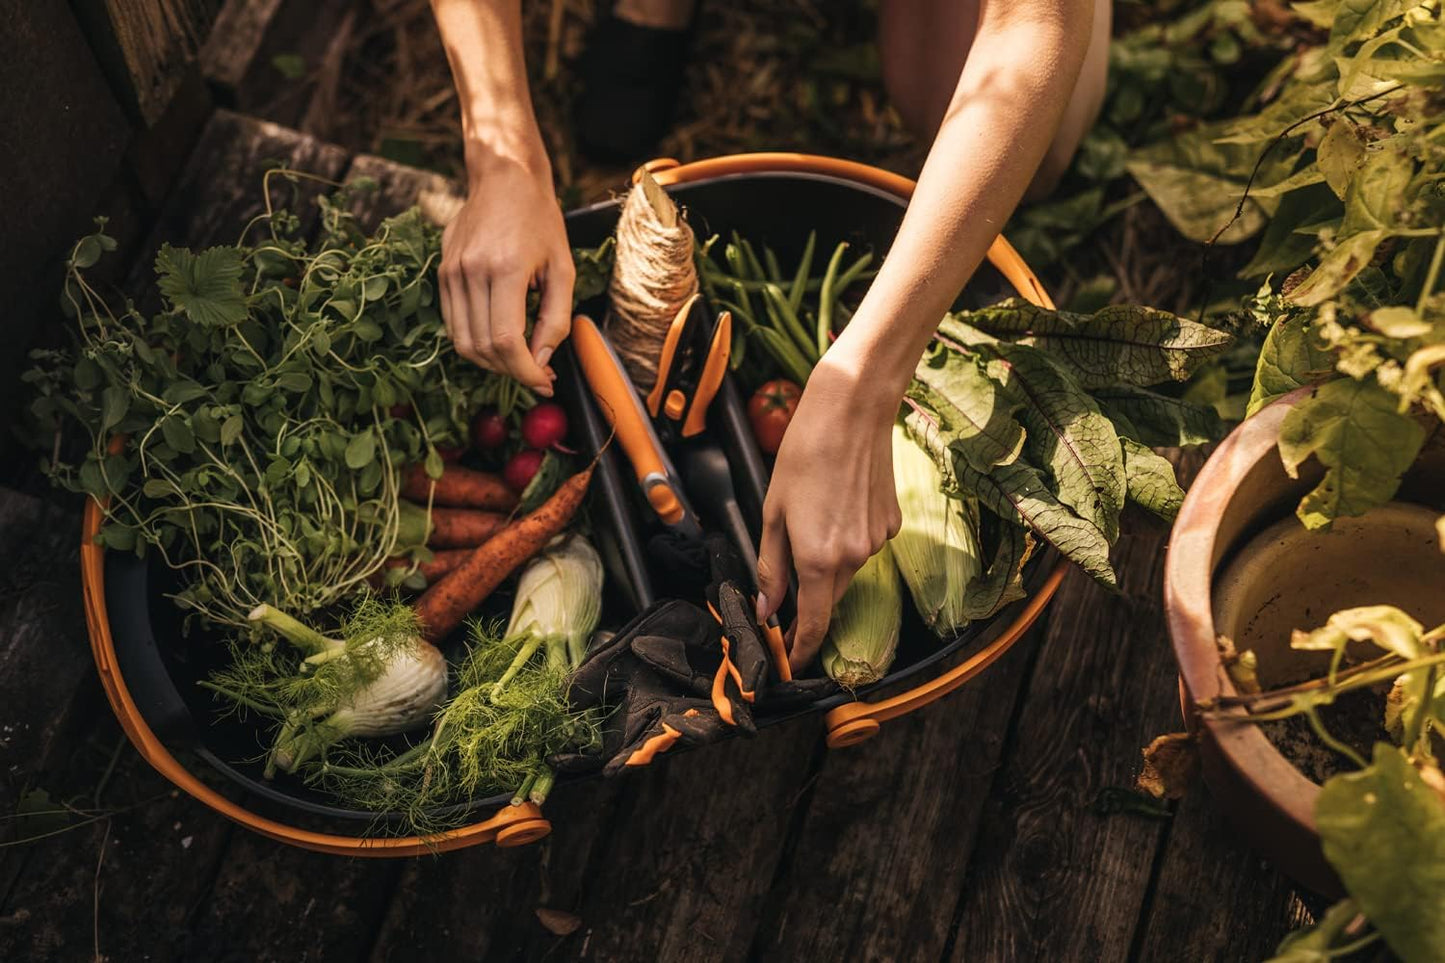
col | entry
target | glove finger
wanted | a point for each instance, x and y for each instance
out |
(783, 696)
(745, 646)
(684, 664)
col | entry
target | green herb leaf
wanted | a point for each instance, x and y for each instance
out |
(361, 450)
(1357, 432)
(178, 434)
(115, 402)
(1383, 831)
(231, 429)
(205, 286)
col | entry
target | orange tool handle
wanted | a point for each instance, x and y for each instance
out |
(1001, 254)
(511, 826)
(618, 401)
(850, 724)
(708, 383)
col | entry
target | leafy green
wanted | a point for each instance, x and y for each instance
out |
(253, 431)
(1066, 434)
(1120, 343)
(1356, 431)
(975, 411)
(1383, 831)
(1017, 491)
(1152, 484)
(1157, 420)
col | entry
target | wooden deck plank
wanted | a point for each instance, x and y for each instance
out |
(881, 853)
(691, 855)
(219, 190)
(1214, 895)
(1052, 878)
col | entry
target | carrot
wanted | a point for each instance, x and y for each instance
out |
(463, 527)
(458, 487)
(442, 562)
(446, 604)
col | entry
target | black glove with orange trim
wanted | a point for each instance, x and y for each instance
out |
(656, 710)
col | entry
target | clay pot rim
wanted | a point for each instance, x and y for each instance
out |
(1189, 613)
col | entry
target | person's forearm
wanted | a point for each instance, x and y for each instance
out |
(1008, 102)
(483, 40)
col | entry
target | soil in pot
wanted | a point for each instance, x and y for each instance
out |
(1356, 719)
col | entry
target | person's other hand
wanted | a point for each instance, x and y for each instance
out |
(831, 503)
(507, 238)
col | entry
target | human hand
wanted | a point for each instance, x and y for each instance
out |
(831, 503)
(508, 237)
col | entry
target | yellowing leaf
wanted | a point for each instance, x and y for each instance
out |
(1398, 321)
(1384, 625)
(1338, 268)
(1354, 428)
(1291, 358)
(1340, 154)
(1383, 831)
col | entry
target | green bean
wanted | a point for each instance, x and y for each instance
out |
(775, 273)
(800, 278)
(783, 352)
(854, 271)
(826, 298)
(787, 321)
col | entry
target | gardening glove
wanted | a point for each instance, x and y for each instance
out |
(654, 711)
(695, 656)
(746, 648)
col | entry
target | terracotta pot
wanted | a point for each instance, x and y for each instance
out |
(1240, 564)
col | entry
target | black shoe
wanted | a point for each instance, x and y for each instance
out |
(631, 79)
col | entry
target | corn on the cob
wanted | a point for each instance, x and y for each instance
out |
(936, 547)
(864, 632)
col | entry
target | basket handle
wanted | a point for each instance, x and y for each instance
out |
(1001, 254)
(857, 722)
(511, 826)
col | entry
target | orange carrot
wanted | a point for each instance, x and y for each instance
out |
(447, 603)
(458, 487)
(463, 527)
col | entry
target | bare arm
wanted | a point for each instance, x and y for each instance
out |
(831, 503)
(509, 235)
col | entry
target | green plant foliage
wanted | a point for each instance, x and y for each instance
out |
(1383, 831)
(252, 430)
(1012, 404)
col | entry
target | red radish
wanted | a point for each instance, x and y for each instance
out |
(489, 429)
(521, 468)
(544, 426)
(451, 454)
(401, 410)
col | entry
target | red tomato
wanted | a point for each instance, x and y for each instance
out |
(770, 410)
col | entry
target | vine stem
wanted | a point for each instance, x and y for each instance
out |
(1432, 275)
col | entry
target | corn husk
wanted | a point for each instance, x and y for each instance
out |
(559, 599)
(864, 633)
(937, 547)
